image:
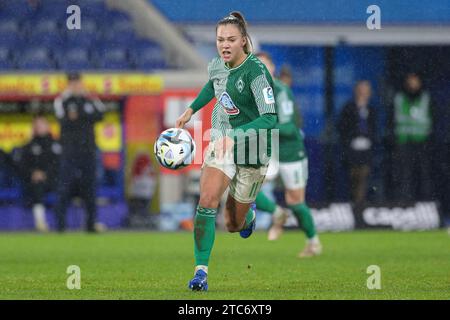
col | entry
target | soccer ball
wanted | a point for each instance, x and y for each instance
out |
(175, 148)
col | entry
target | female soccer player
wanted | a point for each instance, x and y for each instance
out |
(293, 167)
(245, 111)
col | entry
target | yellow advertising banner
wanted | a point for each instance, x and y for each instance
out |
(103, 84)
(108, 133)
(16, 130)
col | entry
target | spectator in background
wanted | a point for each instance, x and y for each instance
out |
(77, 113)
(357, 131)
(410, 123)
(37, 162)
(142, 189)
(286, 75)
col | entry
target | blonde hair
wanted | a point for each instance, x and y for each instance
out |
(238, 19)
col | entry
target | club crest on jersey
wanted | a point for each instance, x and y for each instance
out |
(240, 85)
(228, 104)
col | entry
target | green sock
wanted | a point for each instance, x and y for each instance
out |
(204, 234)
(305, 219)
(265, 204)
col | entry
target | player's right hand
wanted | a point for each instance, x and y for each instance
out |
(184, 118)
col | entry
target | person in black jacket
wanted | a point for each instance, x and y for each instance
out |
(77, 113)
(37, 162)
(357, 130)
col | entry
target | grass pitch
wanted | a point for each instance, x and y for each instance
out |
(153, 265)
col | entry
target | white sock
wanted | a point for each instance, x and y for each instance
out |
(201, 267)
(314, 240)
(39, 214)
(278, 211)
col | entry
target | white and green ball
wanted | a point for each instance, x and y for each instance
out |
(175, 148)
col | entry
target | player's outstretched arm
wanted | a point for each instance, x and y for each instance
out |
(184, 118)
(203, 98)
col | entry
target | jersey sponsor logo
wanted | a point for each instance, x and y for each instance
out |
(240, 85)
(228, 104)
(268, 95)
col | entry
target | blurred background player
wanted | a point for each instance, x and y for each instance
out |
(285, 75)
(77, 113)
(245, 103)
(292, 166)
(357, 131)
(38, 162)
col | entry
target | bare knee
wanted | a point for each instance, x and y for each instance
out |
(208, 200)
(295, 196)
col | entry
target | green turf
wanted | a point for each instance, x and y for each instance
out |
(119, 265)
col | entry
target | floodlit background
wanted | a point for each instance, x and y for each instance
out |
(147, 61)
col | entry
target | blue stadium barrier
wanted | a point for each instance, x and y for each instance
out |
(19, 218)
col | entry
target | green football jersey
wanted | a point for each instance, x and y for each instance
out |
(243, 94)
(291, 146)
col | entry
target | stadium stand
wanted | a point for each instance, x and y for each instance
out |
(29, 40)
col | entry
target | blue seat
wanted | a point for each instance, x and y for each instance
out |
(35, 58)
(93, 9)
(73, 58)
(6, 65)
(121, 24)
(38, 53)
(124, 38)
(18, 8)
(116, 17)
(77, 54)
(45, 26)
(54, 10)
(112, 55)
(150, 65)
(4, 53)
(80, 65)
(109, 48)
(8, 24)
(141, 44)
(16, 44)
(118, 28)
(36, 65)
(9, 38)
(47, 39)
(80, 38)
(114, 65)
(148, 56)
(89, 25)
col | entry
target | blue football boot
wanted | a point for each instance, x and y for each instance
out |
(199, 282)
(247, 232)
